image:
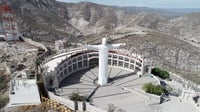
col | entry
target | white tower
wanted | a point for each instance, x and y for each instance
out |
(103, 59)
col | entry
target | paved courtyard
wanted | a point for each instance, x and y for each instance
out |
(114, 93)
(83, 82)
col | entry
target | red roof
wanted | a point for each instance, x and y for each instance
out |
(6, 8)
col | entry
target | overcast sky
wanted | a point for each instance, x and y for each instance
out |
(147, 3)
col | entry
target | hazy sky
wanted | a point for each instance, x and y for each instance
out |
(147, 3)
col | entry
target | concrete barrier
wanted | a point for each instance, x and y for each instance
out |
(61, 100)
(70, 104)
(150, 98)
(184, 81)
(156, 78)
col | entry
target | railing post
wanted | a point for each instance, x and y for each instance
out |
(75, 105)
(84, 106)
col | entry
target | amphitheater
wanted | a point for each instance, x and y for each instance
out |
(76, 71)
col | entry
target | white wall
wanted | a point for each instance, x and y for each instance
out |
(70, 104)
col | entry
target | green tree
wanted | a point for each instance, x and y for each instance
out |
(158, 90)
(77, 97)
(153, 89)
(160, 73)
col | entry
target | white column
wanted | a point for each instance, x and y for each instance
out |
(103, 59)
(103, 65)
(142, 67)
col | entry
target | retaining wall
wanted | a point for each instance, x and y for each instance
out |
(37, 44)
(70, 104)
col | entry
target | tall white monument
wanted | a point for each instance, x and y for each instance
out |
(103, 59)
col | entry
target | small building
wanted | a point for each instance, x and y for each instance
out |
(2, 37)
(60, 45)
(24, 89)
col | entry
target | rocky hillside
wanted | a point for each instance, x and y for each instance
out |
(172, 36)
(167, 52)
(49, 18)
(188, 27)
(92, 18)
(185, 27)
(38, 18)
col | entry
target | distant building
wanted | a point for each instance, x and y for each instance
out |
(60, 45)
(10, 27)
(2, 37)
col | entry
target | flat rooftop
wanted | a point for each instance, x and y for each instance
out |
(25, 93)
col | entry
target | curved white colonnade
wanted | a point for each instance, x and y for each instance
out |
(62, 65)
